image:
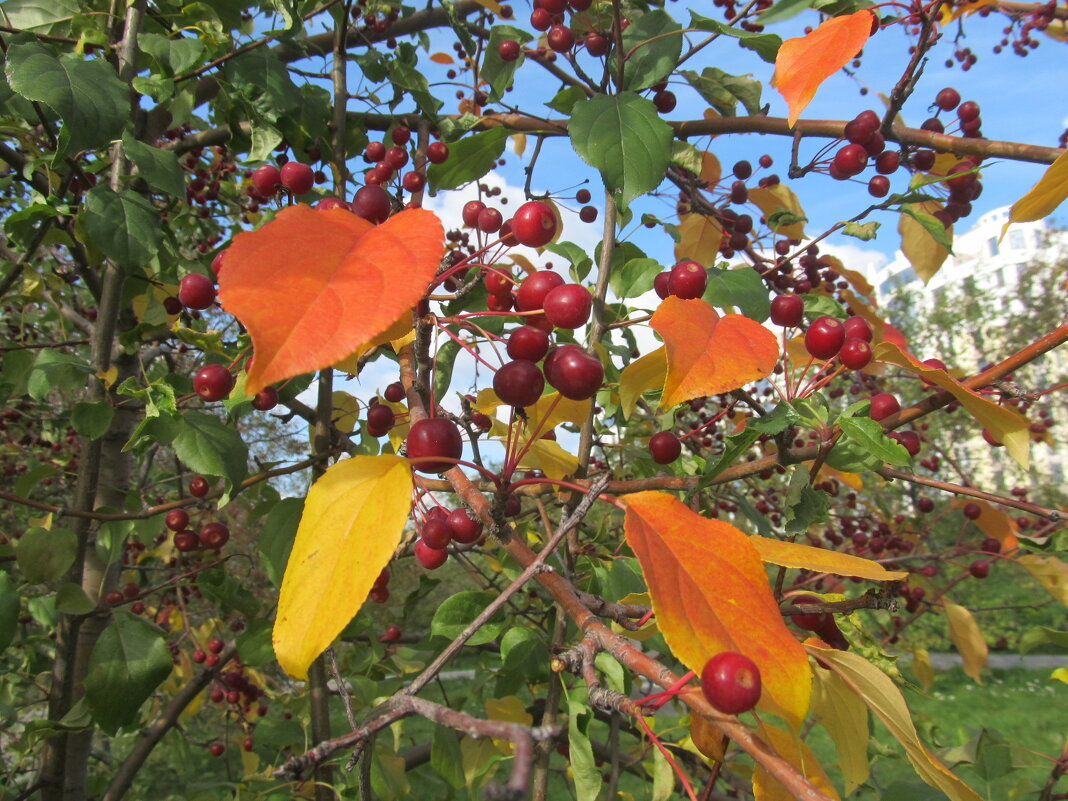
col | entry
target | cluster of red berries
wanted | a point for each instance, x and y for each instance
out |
(438, 529)
(390, 158)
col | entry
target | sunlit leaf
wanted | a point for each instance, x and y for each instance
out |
(821, 560)
(845, 718)
(1060, 674)
(883, 698)
(920, 246)
(640, 376)
(700, 239)
(1005, 425)
(312, 286)
(442, 58)
(994, 522)
(1050, 572)
(922, 668)
(793, 749)
(710, 593)
(805, 62)
(708, 739)
(1044, 197)
(708, 354)
(352, 523)
(780, 198)
(968, 639)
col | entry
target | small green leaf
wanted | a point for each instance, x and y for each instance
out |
(932, 225)
(276, 540)
(497, 72)
(865, 231)
(457, 611)
(92, 420)
(723, 91)
(207, 445)
(9, 611)
(634, 278)
(254, 645)
(128, 662)
(580, 261)
(823, 306)
(56, 370)
(869, 435)
(408, 81)
(805, 506)
(159, 167)
(783, 10)
(564, 101)
(231, 594)
(765, 45)
(446, 758)
(741, 287)
(469, 159)
(45, 555)
(1036, 637)
(653, 43)
(124, 225)
(584, 770)
(685, 155)
(72, 600)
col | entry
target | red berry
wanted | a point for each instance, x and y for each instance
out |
(660, 284)
(787, 310)
(297, 178)
(879, 186)
(464, 529)
(436, 438)
(376, 151)
(266, 399)
(742, 170)
(113, 598)
(186, 541)
(968, 110)
(990, 545)
(588, 214)
(573, 372)
(428, 557)
(947, 99)
(909, 439)
(380, 419)
(217, 749)
(973, 511)
(396, 157)
(560, 38)
(851, 159)
(394, 392)
(597, 45)
(177, 519)
(883, 405)
(731, 682)
(198, 486)
(247, 744)
(436, 534)
(811, 622)
(391, 634)
(372, 203)
(199, 656)
(509, 50)
(687, 280)
(172, 305)
(534, 224)
(664, 447)
(196, 291)
(401, 135)
(470, 212)
(858, 328)
(519, 383)
(266, 180)
(568, 306)
(855, 353)
(583, 196)
(413, 182)
(528, 342)
(665, 101)
(214, 536)
(925, 505)
(887, 162)
(215, 645)
(980, 568)
(531, 293)
(824, 337)
(437, 152)
(213, 382)
(540, 19)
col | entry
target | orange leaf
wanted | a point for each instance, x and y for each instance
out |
(805, 62)
(708, 354)
(993, 522)
(1006, 425)
(312, 286)
(639, 376)
(793, 749)
(707, 739)
(442, 58)
(821, 560)
(711, 594)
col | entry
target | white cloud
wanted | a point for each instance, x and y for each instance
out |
(855, 257)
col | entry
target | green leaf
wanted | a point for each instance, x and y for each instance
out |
(457, 611)
(765, 45)
(128, 662)
(407, 80)
(1037, 637)
(469, 159)
(124, 225)
(783, 10)
(173, 56)
(723, 91)
(584, 770)
(59, 371)
(92, 420)
(86, 95)
(869, 435)
(72, 600)
(159, 167)
(446, 758)
(823, 306)
(111, 540)
(864, 231)
(734, 445)
(497, 72)
(231, 594)
(932, 224)
(276, 540)
(254, 644)
(9, 611)
(805, 507)
(444, 361)
(653, 43)
(663, 777)
(564, 101)
(41, 16)
(686, 156)
(206, 445)
(740, 287)
(634, 278)
(576, 256)
(45, 555)
(261, 80)
(624, 138)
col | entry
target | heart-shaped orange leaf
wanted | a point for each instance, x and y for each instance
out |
(805, 62)
(708, 354)
(312, 286)
(711, 594)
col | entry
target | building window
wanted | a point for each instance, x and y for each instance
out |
(992, 246)
(1016, 240)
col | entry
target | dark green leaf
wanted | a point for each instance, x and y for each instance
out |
(587, 777)
(128, 662)
(653, 43)
(783, 10)
(869, 435)
(823, 306)
(206, 445)
(45, 555)
(409, 81)
(634, 278)
(564, 100)
(173, 56)
(41, 16)
(254, 645)
(59, 371)
(92, 420)
(446, 758)
(723, 91)
(469, 159)
(111, 540)
(805, 507)
(765, 45)
(1046, 638)
(742, 288)
(262, 81)
(72, 600)
(159, 167)
(444, 361)
(276, 540)
(456, 612)
(124, 225)
(734, 446)
(228, 592)
(624, 137)
(15, 373)
(497, 72)
(9, 611)
(86, 95)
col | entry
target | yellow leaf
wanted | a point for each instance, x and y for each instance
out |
(44, 521)
(346, 411)
(1060, 674)
(475, 756)
(397, 330)
(924, 254)
(780, 198)
(549, 457)
(1044, 197)
(883, 698)
(648, 629)
(1050, 572)
(492, 5)
(711, 172)
(966, 636)
(511, 710)
(793, 749)
(519, 144)
(821, 560)
(1005, 424)
(108, 376)
(922, 668)
(640, 376)
(951, 14)
(700, 236)
(352, 523)
(845, 718)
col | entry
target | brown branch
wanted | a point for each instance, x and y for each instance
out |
(872, 599)
(959, 489)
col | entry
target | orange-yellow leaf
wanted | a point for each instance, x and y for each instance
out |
(641, 375)
(492, 5)
(397, 332)
(519, 143)
(709, 740)
(821, 560)
(779, 198)
(994, 522)
(1044, 196)
(1050, 572)
(708, 354)
(700, 236)
(352, 523)
(711, 594)
(442, 58)
(805, 62)
(1005, 425)
(950, 14)
(966, 636)
(924, 253)
(711, 171)
(312, 286)
(883, 698)
(922, 668)
(845, 718)
(794, 750)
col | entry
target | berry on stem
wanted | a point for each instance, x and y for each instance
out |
(664, 447)
(731, 682)
(438, 438)
(534, 224)
(196, 291)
